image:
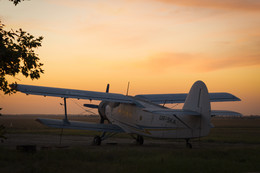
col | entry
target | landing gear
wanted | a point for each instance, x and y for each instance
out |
(139, 140)
(188, 145)
(97, 140)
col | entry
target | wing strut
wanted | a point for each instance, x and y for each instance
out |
(65, 109)
(65, 120)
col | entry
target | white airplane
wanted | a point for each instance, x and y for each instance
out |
(141, 115)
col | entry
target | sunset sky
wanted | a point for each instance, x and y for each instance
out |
(160, 46)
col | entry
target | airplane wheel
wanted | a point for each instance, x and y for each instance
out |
(139, 140)
(97, 140)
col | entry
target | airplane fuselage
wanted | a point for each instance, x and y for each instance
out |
(141, 115)
(142, 121)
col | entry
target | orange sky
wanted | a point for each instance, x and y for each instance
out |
(161, 46)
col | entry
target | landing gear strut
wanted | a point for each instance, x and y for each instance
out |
(139, 140)
(188, 145)
(98, 139)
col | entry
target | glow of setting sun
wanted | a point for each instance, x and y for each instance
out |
(160, 46)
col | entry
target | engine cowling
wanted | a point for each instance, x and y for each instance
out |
(102, 109)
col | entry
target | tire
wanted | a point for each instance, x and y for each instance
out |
(140, 140)
(97, 140)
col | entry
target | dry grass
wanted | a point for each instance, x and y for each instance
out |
(232, 146)
(131, 159)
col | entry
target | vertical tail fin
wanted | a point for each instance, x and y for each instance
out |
(198, 100)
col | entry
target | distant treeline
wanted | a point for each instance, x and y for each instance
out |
(58, 115)
(238, 117)
(92, 115)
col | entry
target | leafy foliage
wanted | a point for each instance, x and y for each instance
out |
(17, 56)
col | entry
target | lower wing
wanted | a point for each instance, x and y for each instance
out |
(180, 98)
(80, 125)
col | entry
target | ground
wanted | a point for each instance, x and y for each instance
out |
(232, 146)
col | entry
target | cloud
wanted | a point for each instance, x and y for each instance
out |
(231, 62)
(195, 62)
(242, 5)
(163, 61)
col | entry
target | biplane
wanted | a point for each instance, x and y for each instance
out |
(141, 115)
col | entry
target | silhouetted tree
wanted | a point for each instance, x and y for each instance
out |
(2, 131)
(16, 1)
(17, 56)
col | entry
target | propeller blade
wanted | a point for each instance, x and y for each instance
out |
(91, 106)
(107, 90)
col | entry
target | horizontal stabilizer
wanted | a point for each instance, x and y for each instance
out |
(172, 111)
(80, 125)
(225, 113)
(180, 98)
(185, 112)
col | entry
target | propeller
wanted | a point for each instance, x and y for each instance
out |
(93, 106)
(101, 107)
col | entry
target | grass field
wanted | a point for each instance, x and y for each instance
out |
(132, 159)
(232, 146)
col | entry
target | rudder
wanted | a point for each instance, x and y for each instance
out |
(198, 100)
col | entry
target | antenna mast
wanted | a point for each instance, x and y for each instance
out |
(127, 88)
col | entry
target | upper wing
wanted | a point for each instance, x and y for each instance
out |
(92, 95)
(70, 93)
(180, 98)
(80, 125)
